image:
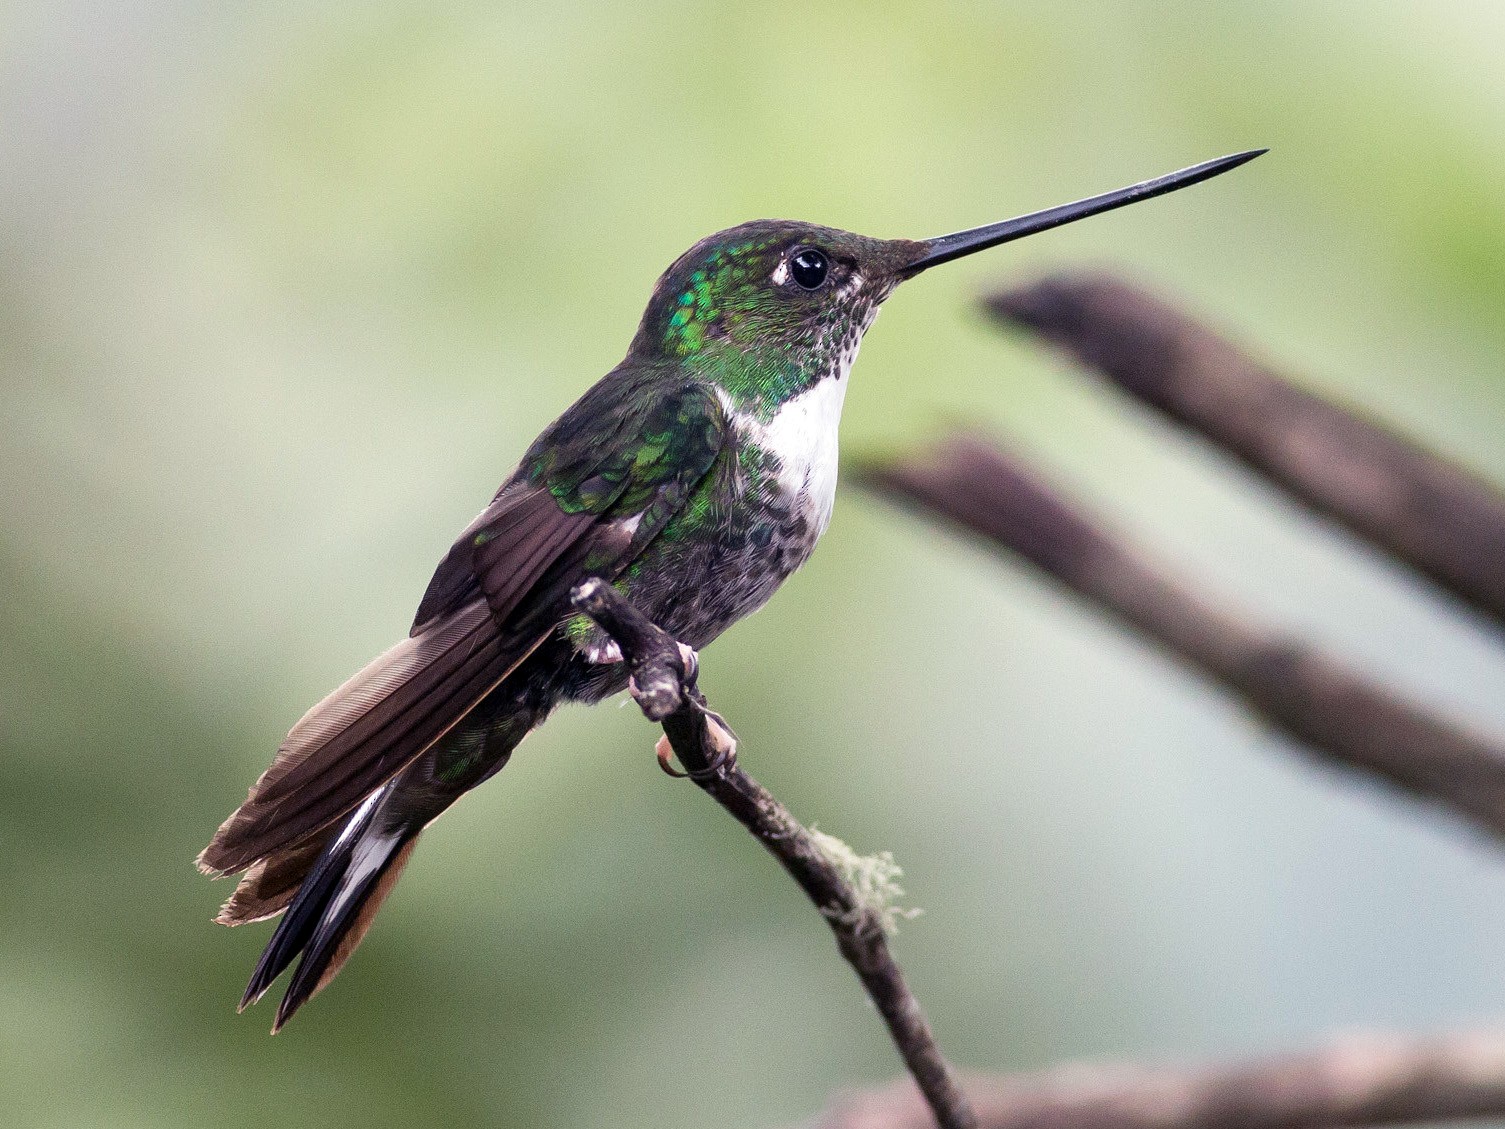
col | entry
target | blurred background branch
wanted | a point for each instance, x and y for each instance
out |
(1354, 1082)
(1346, 717)
(1425, 510)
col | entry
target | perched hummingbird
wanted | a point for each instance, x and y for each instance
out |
(695, 476)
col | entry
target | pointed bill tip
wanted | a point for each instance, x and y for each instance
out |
(947, 247)
(1233, 161)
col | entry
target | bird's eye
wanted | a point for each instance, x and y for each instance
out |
(808, 268)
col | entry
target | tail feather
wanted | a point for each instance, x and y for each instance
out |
(366, 732)
(266, 889)
(330, 882)
(307, 906)
(340, 936)
(333, 907)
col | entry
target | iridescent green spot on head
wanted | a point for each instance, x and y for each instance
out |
(736, 314)
(691, 339)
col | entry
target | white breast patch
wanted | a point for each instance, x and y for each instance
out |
(803, 434)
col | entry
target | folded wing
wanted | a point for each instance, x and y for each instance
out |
(500, 591)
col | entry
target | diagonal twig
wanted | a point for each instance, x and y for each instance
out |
(1424, 510)
(1360, 1081)
(664, 684)
(1347, 718)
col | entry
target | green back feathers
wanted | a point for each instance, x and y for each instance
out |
(627, 445)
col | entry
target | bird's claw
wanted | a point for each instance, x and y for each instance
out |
(724, 756)
(718, 736)
(723, 753)
(665, 752)
(691, 662)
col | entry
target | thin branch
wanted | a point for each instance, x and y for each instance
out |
(1297, 688)
(664, 684)
(1427, 512)
(1357, 1082)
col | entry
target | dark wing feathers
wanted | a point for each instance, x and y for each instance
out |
(521, 530)
(508, 569)
(267, 887)
(574, 509)
(365, 732)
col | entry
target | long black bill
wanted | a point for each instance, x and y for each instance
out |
(944, 248)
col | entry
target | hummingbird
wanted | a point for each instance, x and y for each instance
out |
(695, 477)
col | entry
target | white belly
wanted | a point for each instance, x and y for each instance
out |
(803, 435)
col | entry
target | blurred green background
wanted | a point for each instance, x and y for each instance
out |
(285, 289)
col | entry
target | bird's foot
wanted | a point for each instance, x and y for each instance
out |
(720, 741)
(660, 687)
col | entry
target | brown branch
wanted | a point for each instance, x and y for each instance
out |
(1358, 1082)
(664, 684)
(1424, 510)
(1292, 685)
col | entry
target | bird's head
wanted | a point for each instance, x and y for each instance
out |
(769, 307)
